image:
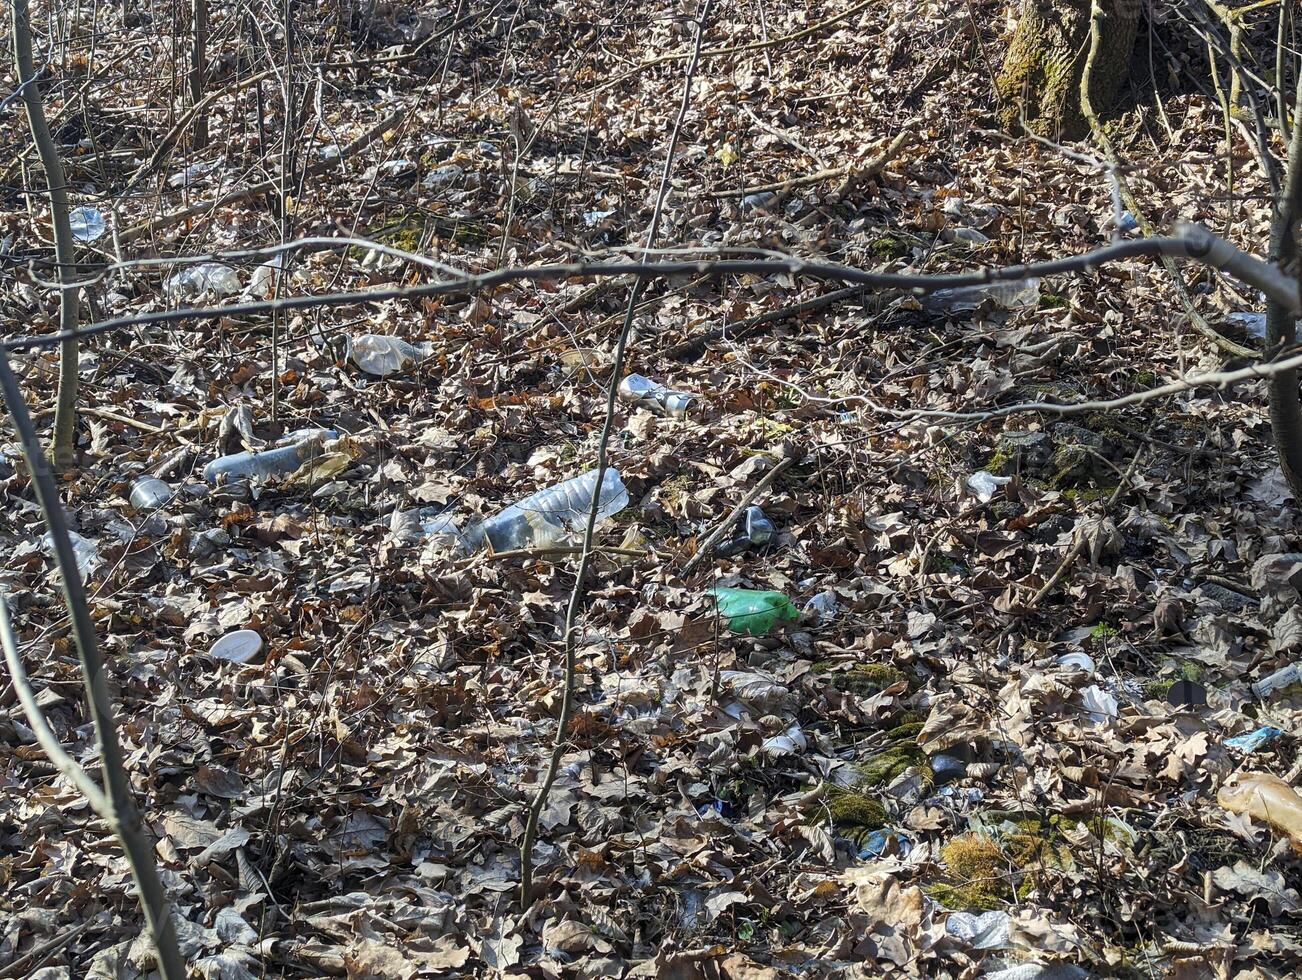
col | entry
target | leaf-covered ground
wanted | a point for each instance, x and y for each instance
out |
(352, 802)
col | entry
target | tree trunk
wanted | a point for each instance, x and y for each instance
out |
(1040, 80)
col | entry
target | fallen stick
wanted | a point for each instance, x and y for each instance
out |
(744, 328)
(710, 539)
(266, 187)
(852, 172)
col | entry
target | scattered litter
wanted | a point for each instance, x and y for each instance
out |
(719, 808)
(1127, 223)
(84, 550)
(1022, 295)
(289, 454)
(763, 202)
(642, 391)
(382, 355)
(1253, 324)
(878, 842)
(965, 236)
(191, 174)
(1101, 705)
(206, 280)
(238, 647)
(87, 224)
(1039, 971)
(594, 218)
(1255, 740)
(262, 284)
(1267, 798)
(987, 930)
(1078, 659)
(753, 612)
(1186, 694)
(548, 516)
(947, 768)
(755, 531)
(825, 604)
(150, 493)
(444, 176)
(790, 742)
(985, 484)
(1280, 679)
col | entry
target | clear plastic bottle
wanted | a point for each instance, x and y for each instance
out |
(1021, 295)
(543, 518)
(382, 355)
(639, 390)
(150, 493)
(87, 224)
(292, 452)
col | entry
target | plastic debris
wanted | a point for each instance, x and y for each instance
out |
(790, 742)
(1039, 971)
(1280, 679)
(87, 224)
(965, 236)
(878, 842)
(593, 218)
(988, 930)
(753, 612)
(85, 551)
(289, 454)
(1078, 659)
(715, 808)
(1127, 223)
(756, 530)
(548, 516)
(985, 484)
(381, 355)
(1265, 797)
(444, 176)
(1255, 740)
(1186, 694)
(150, 493)
(410, 526)
(1101, 705)
(238, 647)
(1253, 324)
(1021, 295)
(948, 768)
(825, 604)
(763, 202)
(642, 391)
(208, 279)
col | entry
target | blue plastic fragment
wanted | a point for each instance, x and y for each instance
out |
(875, 844)
(1252, 741)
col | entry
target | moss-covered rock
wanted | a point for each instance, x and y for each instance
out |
(863, 679)
(976, 872)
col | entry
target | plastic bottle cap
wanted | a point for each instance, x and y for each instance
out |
(239, 647)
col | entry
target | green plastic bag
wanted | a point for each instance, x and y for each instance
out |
(752, 612)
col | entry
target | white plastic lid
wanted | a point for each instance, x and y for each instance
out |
(239, 647)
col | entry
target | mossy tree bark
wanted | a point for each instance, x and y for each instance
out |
(1041, 75)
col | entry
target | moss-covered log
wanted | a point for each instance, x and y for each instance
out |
(1041, 75)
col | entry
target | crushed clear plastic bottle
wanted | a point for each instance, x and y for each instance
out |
(208, 279)
(289, 454)
(382, 355)
(1021, 295)
(150, 493)
(87, 224)
(639, 390)
(548, 516)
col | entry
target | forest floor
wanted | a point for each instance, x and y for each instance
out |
(941, 768)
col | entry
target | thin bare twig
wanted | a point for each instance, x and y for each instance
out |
(707, 543)
(607, 427)
(121, 814)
